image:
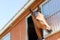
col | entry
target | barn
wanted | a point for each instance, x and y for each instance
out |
(21, 26)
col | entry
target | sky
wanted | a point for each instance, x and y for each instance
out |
(8, 8)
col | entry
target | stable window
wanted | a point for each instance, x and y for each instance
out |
(6, 37)
(31, 30)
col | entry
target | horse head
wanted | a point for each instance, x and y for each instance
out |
(42, 22)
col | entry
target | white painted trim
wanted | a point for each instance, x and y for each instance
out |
(17, 15)
(27, 26)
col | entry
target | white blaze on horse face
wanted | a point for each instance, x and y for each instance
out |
(40, 17)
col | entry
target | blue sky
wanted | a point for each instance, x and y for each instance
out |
(8, 8)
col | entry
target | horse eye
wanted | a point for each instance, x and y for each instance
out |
(37, 19)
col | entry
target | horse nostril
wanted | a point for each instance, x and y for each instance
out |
(49, 31)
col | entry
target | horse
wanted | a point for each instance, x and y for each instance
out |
(40, 23)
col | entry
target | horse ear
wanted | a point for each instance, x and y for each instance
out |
(31, 12)
(38, 9)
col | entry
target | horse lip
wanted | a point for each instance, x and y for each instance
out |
(49, 31)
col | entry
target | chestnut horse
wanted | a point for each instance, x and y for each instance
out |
(40, 23)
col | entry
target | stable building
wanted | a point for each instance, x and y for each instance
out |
(21, 26)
